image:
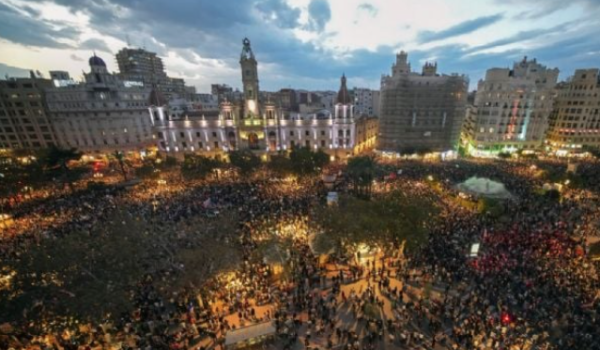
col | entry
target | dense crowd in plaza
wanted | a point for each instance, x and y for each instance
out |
(530, 287)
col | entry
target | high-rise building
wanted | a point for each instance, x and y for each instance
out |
(24, 122)
(366, 101)
(222, 91)
(286, 100)
(100, 114)
(146, 67)
(420, 111)
(575, 120)
(512, 107)
(262, 126)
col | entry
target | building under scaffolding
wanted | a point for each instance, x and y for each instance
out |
(421, 112)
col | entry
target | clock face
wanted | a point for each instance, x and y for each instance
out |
(246, 42)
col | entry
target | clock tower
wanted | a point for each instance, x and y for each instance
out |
(250, 80)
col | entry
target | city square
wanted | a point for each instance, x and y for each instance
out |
(234, 253)
(299, 175)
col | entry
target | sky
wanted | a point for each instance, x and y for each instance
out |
(303, 44)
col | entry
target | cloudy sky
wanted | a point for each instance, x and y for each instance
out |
(300, 43)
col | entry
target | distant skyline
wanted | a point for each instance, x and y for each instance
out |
(303, 44)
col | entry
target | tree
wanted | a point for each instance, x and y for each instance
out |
(245, 161)
(388, 219)
(504, 155)
(361, 171)
(593, 151)
(407, 150)
(280, 165)
(197, 166)
(58, 159)
(422, 151)
(306, 162)
(91, 274)
(170, 162)
(147, 171)
(120, 158)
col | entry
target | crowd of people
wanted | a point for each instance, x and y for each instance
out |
(531, 285)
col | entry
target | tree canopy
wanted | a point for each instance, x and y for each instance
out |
(301, 161)
(93, 274)
(387, 219)
(306, 162)
(198, 167)
(361, 171)
(245, 161)
(58, 162)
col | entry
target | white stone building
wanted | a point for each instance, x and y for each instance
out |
(366, 101)
(24, 122)
(575, 120)
(101, 114)
(257, 125)
(512, 107)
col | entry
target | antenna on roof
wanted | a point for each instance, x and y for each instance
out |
(128, 40)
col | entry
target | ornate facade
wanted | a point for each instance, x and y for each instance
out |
(575, 121)
(100, 115)
(257, 125)
(512, 107)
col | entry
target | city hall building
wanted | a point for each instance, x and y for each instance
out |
(261, 125)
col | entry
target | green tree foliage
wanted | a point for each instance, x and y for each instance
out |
(93, 274)
(198, 167)
(169, 163)
(280, 165)
(593, 151)
(58, 162)
(245, 161)
(361, 171)
(388, 219)
(504, 155)
(306, 162)
(148, 170)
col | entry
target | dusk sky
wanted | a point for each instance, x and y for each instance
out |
(300, 43)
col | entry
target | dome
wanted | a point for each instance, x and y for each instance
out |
(96, 61)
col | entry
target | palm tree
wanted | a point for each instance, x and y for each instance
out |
(361, 171)
(120, 158)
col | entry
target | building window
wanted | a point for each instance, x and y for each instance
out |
(307, 133)
(216, 144)
(214, 134)
(200, 145)
(292, 133)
